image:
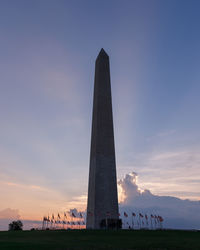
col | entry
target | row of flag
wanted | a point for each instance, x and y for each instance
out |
(80, 215)
(53, 218)
(158, 217)
(64, 222)
(143, 221)
(72, 219)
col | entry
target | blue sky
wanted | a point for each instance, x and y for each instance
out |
(48, 49)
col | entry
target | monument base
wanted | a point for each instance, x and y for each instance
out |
(111, 224)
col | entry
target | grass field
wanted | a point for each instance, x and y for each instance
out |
(86, 239)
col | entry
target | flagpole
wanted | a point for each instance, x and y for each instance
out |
(132, 221)
(155, 221)
(106, 222)
(43, 224)
(47, 221)
(140, 222)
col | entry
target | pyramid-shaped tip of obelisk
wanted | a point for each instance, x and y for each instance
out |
(102, 54)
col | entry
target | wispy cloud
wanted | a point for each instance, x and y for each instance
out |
(19, 185)
(79, 202)
(162, 135)
(169, 172)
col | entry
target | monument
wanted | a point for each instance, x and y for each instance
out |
(102, 206)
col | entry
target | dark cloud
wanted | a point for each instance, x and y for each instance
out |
(177, 213)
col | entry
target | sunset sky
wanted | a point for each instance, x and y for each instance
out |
(47, 54)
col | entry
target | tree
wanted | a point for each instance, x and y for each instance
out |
(15, 225)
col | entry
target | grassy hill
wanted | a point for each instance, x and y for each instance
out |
(86, 239)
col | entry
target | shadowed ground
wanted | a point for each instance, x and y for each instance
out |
(86, 239)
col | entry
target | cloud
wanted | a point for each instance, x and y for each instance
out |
(76, 212)
(129, 188)
(6, 216)
(9, 213)
(162, 135)
(168, 172)
(177, 213)
(18, 185)
(78, 201)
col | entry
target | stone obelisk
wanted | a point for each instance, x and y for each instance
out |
(102, 191)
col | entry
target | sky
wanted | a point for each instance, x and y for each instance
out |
(48, 50)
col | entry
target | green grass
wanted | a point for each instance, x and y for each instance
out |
(86, 239)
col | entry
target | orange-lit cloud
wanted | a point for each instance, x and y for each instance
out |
(9, 213)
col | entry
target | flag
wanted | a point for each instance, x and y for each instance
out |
(141, 215)
(152, 216)
(58, 215)
(52, 216)
(125, 214)
(73, 215)
(78, 223)
(83, 223)
(81, 216)
(65, 214)
(160, 218)
(64, 222)
(133, 214)
(146, 217)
